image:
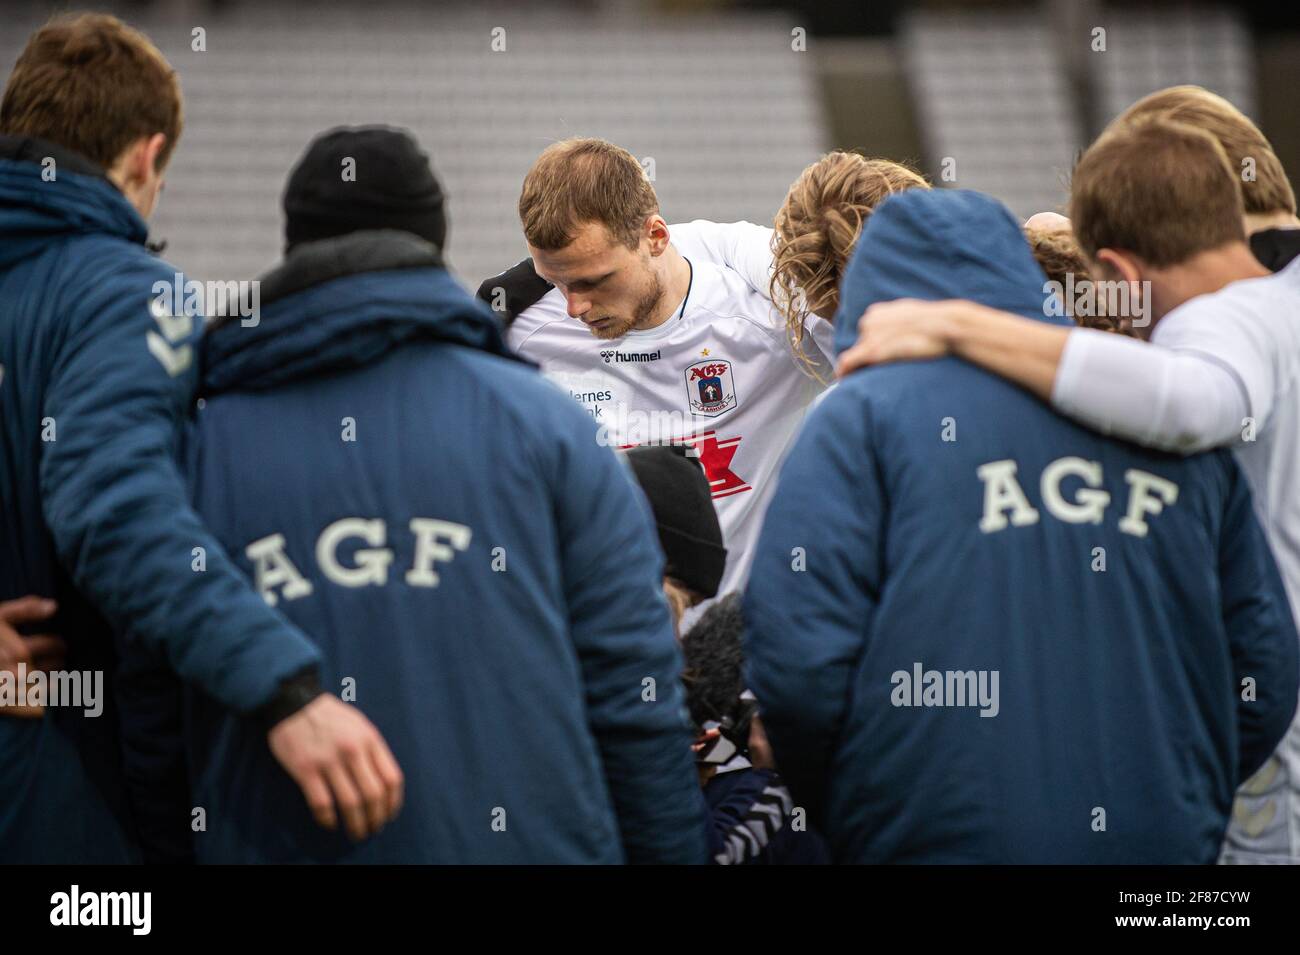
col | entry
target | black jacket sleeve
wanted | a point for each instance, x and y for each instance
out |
(514, 290)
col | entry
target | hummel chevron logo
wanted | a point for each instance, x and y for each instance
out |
(176, 328)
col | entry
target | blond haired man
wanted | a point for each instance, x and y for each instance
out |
(1266, 193)
(658, 342)
(1156, 206)
(678, 309)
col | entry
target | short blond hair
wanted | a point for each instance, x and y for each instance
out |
(1268, 190)
(1161, 190)
(817, 228)
(577, 181)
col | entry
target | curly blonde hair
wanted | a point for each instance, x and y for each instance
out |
(1059, 256)
(816, 230)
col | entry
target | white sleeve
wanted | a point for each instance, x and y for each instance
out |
(822, 333)
(549, 308)
(1167, 398)
(1241, 330)
(741, 246)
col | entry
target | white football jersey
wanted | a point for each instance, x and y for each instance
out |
(718, 376)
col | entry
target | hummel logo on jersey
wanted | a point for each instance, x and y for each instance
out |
(618, 357)
(710, 388)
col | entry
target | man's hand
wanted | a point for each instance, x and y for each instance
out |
(339, 759)
(1019, 349)
(907, 329)
(760, 750)
(39, 652)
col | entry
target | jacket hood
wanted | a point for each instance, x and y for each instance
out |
(341, 303)
(79, 200)
(940, 244)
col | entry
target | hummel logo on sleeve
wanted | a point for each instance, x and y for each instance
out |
(175, 329)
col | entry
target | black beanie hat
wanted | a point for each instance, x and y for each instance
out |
(683, 510)
(389, 185)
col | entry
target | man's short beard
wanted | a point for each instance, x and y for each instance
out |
(643, 312)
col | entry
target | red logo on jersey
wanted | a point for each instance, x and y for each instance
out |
(715, 456)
